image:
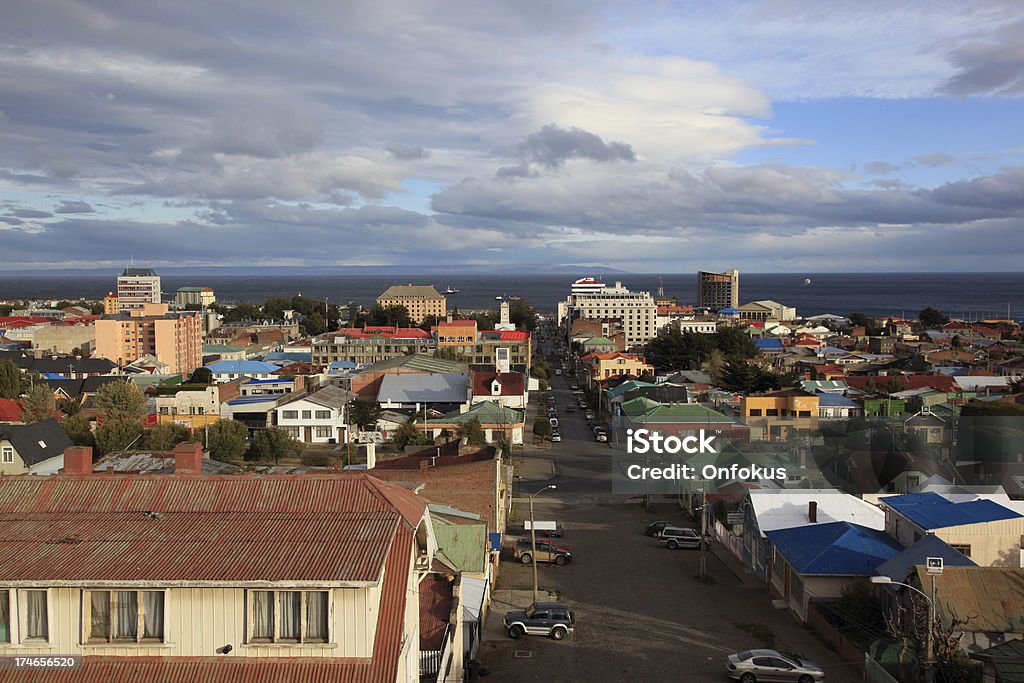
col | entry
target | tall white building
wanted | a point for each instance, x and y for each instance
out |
(593, 300)
(137, 286)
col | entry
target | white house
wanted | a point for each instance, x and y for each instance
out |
(317, 417)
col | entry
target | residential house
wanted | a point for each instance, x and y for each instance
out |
(983, 530)
(499, 422)
(228, 370)
(36, 448)
(835, 406)
(778, 415)
(418, 392)
(193, 406)
(320, 416)
(507, 388)
(225, 577)
(601, 366)
(10, 411)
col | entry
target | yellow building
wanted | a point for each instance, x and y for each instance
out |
(420, 300)
(173, 338)
(601, 366)
(222, 577)
(775, 415)
(111, 304)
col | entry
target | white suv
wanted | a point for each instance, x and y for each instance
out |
(682, 537)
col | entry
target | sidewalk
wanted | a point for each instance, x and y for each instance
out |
(742, 573)
(534, 468)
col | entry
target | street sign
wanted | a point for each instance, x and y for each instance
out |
(734, 518)
(934, 565)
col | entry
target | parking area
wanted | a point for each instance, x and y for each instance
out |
(641, 613)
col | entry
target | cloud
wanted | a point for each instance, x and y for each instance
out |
(992, 67)
(30, 213)
(73, 206)
(552, 145)
(933, 160)
(406, 152)
(880, 167)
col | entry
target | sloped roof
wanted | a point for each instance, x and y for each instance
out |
(423, 388)
(487, 412)
(932, 511)
(627, 386)
(464, 544)
(38, 441)
(405, 291)
(642, 409)
(242, 367)
(10, 410)
(419, 362)
(829, 399)
(898, 568)
(990, 598)
(512, 383)
(329, 396)
(836, 548)
(787, 508)
(224, 528)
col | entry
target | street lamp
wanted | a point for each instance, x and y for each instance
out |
(533, 538)
(929, 654)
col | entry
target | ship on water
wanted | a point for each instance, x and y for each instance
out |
(450, 290)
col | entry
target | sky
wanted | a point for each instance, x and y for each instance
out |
(770, 136)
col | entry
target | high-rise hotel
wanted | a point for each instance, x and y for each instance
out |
(591, 299)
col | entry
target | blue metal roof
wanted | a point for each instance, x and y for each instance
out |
(899, 567)
(290, 380)
(833, 400)
(836, 548)
(262, 398)
(289, 356)
(932, 511)
(771, 343)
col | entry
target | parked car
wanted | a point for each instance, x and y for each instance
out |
(552, 619)
(556, 437)
(750, 666)
(589, 415)
(554, 422)
(575, 386)
(682, 537)
(546, 552)
(558, 372)
(654, 528)
(601, 436)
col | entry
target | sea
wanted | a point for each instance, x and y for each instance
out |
(969, 296)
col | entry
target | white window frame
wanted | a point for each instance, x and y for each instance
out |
(8, 455)
(86, 612)
(250, 620)
(21, 605)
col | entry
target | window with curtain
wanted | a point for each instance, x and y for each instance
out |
(263, 615)
(153, 615)
(5, 617)
(99, 615)
(316, 617)
(37, 622)
(127, 614)
(291, 614)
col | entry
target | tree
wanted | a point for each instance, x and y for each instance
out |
(870, 387)
(39, 404)
(314, 323)
(272, 443)
(870, 325)
(542, 427)
(5, 309)
(120, 400)
(473, 432)
(748, 378)
(364, 413)
(117, 435)
(408, 435)
(78, 430)
(201, 376)
(523, 314)
(69, 406)
(450, 353)
(10, 380)
(931, 318)
(227, 440)
(164, 437)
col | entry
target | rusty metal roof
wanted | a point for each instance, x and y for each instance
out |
(991, 599)
(229, 528)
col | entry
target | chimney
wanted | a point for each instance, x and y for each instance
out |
(78, 460)
(449, 317)
(188, 458)
(300, 383)
(424, 464)
(812, 512)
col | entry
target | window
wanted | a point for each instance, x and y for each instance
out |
(965, 549)
(288, 616)
(307, 414)
(323, 432)
(36, 626)
(290, 414)
(8, 455)
(323, 415)
(124, 616)
(755, 412)
(771, 412)
(292, 431)
(5, 616)
(804, 413)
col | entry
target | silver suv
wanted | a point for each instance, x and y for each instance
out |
(682, 537)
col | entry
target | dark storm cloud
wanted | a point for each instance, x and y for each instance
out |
(993, 67)
(74, 206)
(552, 145)
(406, 152)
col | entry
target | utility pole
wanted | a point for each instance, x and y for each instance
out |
(703, 530)
(533, 539)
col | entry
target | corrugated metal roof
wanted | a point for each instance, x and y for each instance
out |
(785, 508)
(838, 548)
(991, 599)
(899, 567)
(230, 528)
(932, 511)
(423, 388)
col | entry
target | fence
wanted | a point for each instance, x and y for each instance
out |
(728, 540)
(833, 637)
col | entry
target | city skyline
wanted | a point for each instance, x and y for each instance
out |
(645, 137)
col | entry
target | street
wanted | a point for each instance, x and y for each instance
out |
(641, 612)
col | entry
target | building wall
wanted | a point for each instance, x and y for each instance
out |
(369, 350)
(199, 620)
(16, 467)
(133, 291)
(419, 307)
(636, 310)
(718, 290)
(64, 339)
(175, 340)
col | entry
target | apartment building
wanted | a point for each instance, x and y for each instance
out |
(420, 300)
(777, 415)
(172, 338)
(202, 296)
(136, 287)
(370, 345)
(718, 290)
(223, 577)
(592, 300)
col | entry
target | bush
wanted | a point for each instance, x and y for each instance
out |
(317, 459)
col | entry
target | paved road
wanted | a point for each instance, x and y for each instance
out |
(641, 613)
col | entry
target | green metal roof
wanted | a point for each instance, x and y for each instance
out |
(599, 341)
(221, 348)
(644, 410)
(487, 412)
(626, 386)
(423, 362)
(464, 544)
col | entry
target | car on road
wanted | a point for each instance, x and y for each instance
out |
(589, 415)
(552, 619)
(554, 422)
(601, 436)
(682, 537)
(574, 386)
(556, 437)
(654, 528)
(751, 666)
(546, 552)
